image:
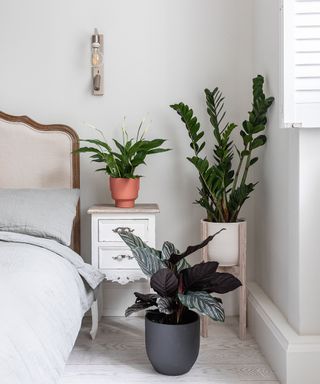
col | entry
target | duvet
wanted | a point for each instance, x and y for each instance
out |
(45, 289)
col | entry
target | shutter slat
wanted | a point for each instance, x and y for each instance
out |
(309, 33)
(308, 97)
(307, 84)
(307, 7)
(307, 20)
(309, 58)
(302, 62)
(307, 45)
(307, 71)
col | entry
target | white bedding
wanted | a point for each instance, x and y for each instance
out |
(42, 301)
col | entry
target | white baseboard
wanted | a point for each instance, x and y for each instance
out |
(295, 359)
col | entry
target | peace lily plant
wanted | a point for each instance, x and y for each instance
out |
(121, 161)
(224, 185)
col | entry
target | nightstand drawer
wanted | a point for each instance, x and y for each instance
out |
(116, 258)
(106, 227)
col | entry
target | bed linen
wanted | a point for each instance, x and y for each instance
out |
(45, 289)
(46, 213)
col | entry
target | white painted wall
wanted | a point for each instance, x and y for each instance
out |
(309, 229)
(287, 209)
(273, 206)
(156, 52)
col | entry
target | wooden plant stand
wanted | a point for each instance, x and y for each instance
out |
(237, 270)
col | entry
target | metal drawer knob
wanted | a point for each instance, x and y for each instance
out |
(121, 257)
(124, 229)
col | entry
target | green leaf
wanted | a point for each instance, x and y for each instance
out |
(204, 303)
(237, 199)
(98, 143)
(258, 142)
(158, 150)
(119, 146)
(87, 149)
(151, 144)
(101, 169)
(192, 125)
(258, 128)
(245, 153)
(253, 160)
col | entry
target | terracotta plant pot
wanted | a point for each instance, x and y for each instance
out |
(124, 191)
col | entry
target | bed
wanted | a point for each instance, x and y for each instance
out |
(45, 287)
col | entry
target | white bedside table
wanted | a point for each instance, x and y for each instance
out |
(108, 251)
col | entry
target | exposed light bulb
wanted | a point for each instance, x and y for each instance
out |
(96, 58)
(97, 62)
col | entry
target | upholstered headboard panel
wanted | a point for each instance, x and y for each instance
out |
(34, 155)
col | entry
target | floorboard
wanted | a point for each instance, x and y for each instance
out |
(118, 355)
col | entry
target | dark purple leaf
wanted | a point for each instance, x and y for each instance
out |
(139, 306)
(164, 282)
(176, 257)
(145, 297)
(143, 301)
(194, 278)
(221, 283)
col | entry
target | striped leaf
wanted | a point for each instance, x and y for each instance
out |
(148, 262)
(204, 303)
(167, 250)
(165, 305)
(182, 264)
(134, 241)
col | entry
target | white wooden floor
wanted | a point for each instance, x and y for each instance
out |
(118, 356)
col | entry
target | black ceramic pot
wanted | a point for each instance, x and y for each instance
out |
(173, 348)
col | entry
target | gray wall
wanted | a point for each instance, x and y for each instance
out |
(156, 52)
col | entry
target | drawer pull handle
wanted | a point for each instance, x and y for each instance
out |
(120, 229)
(121, 257)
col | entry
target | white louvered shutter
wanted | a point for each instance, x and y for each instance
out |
(301, 63)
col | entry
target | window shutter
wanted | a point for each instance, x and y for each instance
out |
(301, 63)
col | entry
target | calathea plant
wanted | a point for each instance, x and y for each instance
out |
(223, 182)
(178, 285)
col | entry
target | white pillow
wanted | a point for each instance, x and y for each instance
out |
(46, 213)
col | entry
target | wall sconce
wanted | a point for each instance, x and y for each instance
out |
(97, 63)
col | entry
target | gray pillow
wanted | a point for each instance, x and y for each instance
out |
(47, 213)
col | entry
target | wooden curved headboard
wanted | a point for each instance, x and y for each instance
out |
(34, 155)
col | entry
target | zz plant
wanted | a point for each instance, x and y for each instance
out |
(223, 182)
(178, 285)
